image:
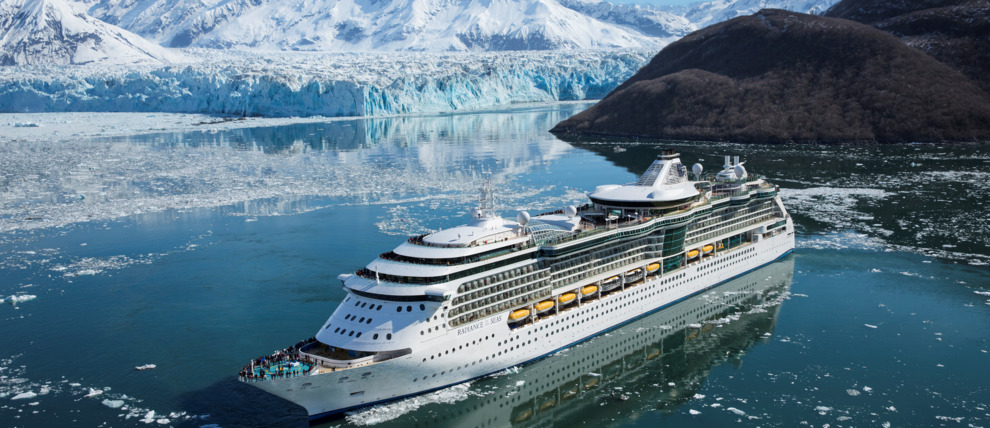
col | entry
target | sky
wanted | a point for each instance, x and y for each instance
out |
(657, 2)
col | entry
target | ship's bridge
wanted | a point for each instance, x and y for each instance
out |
(664, 185)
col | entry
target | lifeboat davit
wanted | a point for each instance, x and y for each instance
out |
(693, 253)
(588, 289)
(518, 314)
(566, 297)
(720, 246)
(708, 248)
(544, 306)
(652, 267)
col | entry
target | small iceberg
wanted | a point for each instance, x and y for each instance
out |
(113, 404)
(146, 367)
(24, 396)
(93, 393)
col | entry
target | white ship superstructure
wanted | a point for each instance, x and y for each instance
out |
(454, 305)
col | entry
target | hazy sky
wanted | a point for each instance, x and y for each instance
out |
(657, 2)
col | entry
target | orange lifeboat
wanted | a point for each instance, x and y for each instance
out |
(652, 267)
(588, 289)
(519, 314)
(566, 297)
(693, 253)
(708, 248)
(544, 306)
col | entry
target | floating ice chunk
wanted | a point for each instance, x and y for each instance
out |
(24, 396)
(867, 389)
(695, 325)
(736, 411)
(823, 409)
(892, 409)
(671, 384)
(853, 392)
(146, 367)
(149, 417)
(113, 404)
(875, 270)
(694, 412)
(983, 293)
(520, 383)
(698, 396)
(93, 392)
(19, 298)
(163, 421)
(870, 325)
(75, 385)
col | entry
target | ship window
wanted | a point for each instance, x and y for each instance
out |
(398, 309)
(375, 337)
(388, 336)
(378, 308)
(361, 320)
(422, 307)
(408, 308)
(351, 333)
(369, 321)
(364, 304)
(336, 329)
(359, 334)
(357, 302)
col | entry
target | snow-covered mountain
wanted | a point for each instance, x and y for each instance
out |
(372, 25)
(420, 25)
(713, 12)
(34, 32)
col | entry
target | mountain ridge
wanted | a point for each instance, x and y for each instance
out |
(779, 76)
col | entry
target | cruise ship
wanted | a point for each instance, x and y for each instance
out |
(657, 362)
(461, 303)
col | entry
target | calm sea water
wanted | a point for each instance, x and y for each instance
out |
(198, 251)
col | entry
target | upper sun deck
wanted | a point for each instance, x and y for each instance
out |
(664, 183)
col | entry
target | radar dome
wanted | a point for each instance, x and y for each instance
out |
(570, 211)
(522, 218)
(696, 169)
(475, 213)
(740, 171)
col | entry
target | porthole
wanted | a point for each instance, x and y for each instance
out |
(398, 309)
(388, 336)
(375, 337)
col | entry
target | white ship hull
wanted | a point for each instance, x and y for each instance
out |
(488, 346)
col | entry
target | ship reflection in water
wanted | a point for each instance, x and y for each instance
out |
(653, 364)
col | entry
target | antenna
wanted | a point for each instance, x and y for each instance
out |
(378, 280)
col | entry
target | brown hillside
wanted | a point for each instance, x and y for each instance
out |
(956, 32)
(779, 76)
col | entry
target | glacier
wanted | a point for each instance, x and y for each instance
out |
(284, 84)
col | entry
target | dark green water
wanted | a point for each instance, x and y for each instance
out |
(197, 251)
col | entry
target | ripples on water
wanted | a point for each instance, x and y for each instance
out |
(197, 251)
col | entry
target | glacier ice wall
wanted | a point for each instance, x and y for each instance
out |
(321, 84)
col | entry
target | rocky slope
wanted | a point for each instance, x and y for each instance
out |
(956, 32)
(779, 76)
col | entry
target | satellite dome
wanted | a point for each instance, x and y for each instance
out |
(696, 169)
(740, 171)
(475, 213)
(570, 211)
(522, 218)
